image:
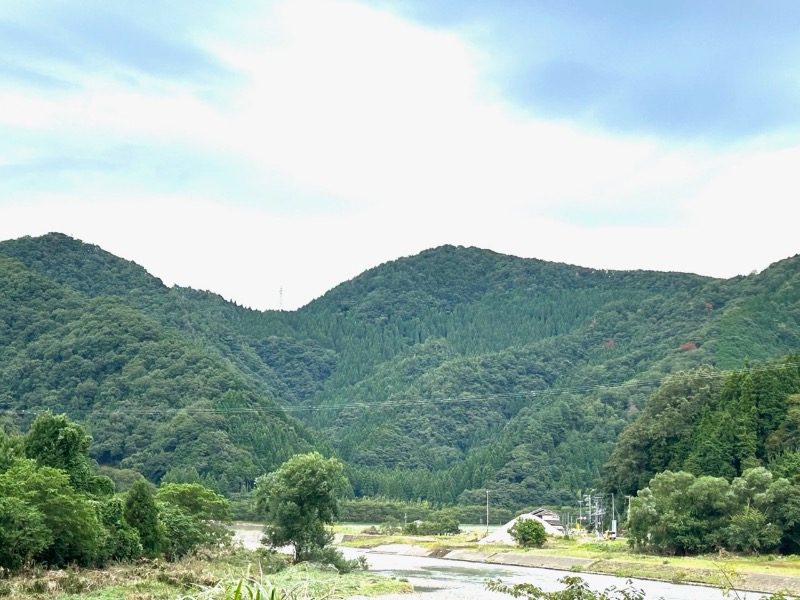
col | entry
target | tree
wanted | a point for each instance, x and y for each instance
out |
(74, 531)
(750, 532)
(23, 533)
(196, 500)
(183, 533)
(298, 500)
(11, 448)
(192, 516)
(141, 513)
(55, 441)
(679, 513)
(528, 533)
(121, 541)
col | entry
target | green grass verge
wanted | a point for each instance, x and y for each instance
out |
(210, 577)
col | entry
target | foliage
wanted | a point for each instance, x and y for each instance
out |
(750, 532)
(11, 448)
(679, 513)
(55, 441)
(215, 575)
(434, 377)
(192, 516)
(142, 514)
(121, 541)
(576, 589)
(528, 533)
(440, 527)
(63, 524)
(23, 533)
(56, 516)
(299, 500)
(333, 557)
(195, 500)
(707, 423)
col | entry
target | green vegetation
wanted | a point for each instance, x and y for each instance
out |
(299, 500)
(441, 527)
(135, 419)
(68, 515)
(710, 423)
(528, 533)
(576, 588)
(218, 575)
(433, 378)
(683, 514)
(381, 510)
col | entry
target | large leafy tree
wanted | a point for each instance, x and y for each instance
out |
(62, 523)
(683, 514)
(121, 541)
(55, 441)
(299, 500)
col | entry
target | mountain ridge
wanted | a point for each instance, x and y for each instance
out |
(433, 376)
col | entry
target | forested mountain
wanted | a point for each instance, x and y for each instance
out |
(112, 347)
(708, 423)
(436, 376)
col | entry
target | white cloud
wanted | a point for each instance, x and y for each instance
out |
(393, 129)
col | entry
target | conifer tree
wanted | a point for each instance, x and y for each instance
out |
(141, 513)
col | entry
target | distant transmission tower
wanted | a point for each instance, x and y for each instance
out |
(280, 298)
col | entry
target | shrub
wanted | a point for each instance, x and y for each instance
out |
(528, 533)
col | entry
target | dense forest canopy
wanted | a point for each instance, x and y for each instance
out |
(434, 377)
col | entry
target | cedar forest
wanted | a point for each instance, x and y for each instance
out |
(433, 378)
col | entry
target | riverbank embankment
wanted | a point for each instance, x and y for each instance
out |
(719, 575)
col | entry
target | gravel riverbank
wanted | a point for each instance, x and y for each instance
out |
(766, 583)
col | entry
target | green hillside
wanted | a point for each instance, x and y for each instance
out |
(435, 377)
(151, 397)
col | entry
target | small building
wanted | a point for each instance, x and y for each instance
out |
(550, 520)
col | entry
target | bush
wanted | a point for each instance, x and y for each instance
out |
(528, 533)
(334, 557)
(444, 527)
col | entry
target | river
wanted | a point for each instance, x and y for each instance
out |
(439, 579)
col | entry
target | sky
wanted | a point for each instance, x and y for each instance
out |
(269, 150)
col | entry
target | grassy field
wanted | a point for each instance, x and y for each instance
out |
(207, 577)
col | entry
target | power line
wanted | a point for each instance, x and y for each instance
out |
(416, 401)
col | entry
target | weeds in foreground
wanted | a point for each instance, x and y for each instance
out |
(577, 589)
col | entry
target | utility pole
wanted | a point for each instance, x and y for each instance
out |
(613, 518)
(629, 507)
(487, 512)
